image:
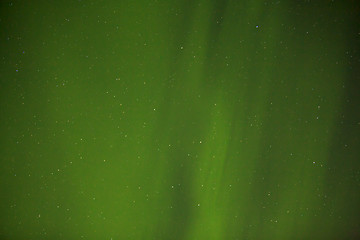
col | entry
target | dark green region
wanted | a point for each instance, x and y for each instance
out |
(180, 119)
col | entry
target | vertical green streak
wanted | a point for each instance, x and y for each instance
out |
(209, 169)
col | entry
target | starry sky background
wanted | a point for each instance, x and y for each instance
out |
(201, 119)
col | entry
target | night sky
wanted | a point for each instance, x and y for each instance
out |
(180, 119)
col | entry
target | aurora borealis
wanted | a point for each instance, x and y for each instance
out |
(179, 119)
